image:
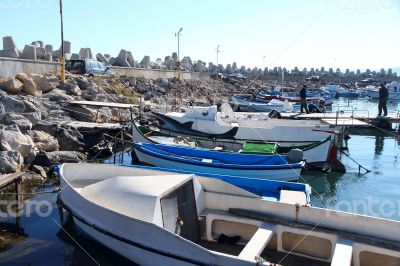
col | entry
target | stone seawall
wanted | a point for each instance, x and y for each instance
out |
(10, 67)
(157, 74)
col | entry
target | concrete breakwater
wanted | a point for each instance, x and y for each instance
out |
(45, 57)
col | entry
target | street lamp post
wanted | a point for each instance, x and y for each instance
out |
(178, 63)
(217, 54)
(262, 70)
(62, 76)
(177, 35)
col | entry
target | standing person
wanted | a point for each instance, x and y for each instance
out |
(303, 99)
(383, 96)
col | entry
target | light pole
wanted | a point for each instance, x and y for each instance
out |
(217, 54)
(178, 63)
(262, 70)
(62, 76)
(177, 35)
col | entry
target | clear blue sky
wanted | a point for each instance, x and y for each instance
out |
(308, 33)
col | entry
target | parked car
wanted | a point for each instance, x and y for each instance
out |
(88, 67)
(218, 76)
(237, 76)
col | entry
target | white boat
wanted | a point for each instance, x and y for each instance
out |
(315, 153)
(160, 218)
(207, 122)
(393, 88)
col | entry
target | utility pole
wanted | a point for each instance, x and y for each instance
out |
(178, 62)
(262, 70)
(217, 54)
(62, 76)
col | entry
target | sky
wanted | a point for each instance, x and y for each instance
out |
(354, 34)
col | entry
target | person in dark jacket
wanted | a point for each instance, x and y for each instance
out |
(383, 96)
(303, 99)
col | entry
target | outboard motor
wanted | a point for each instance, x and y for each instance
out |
(274, 114)
(295, 156)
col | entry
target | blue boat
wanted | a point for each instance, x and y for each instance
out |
(272, 167)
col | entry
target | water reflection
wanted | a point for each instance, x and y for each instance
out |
(379, 143)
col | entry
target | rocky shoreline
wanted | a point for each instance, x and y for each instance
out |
(38, 125)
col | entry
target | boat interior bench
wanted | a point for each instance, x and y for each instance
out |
(315, 245)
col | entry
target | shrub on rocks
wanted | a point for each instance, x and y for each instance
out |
(11, 162)
(11, 86)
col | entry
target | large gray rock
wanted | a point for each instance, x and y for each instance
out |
(122, 59)
(67, 50)
(83, 83)
(29, 52)
(71, 89)
(29, 85)
(2, 109)
(102, 58)
(40, 53)
(74, 56)
(11, 162)
(11, 86)
(56, 157)
(48, 57)
(44, 84)
(12, 104)
(58, 95)
(85, 53)
(81, 113)
(49, 48)
(91, 93)
(33, 117)
(15, 119)
(11, 139)
(10, 53)
(44, 141)
(70, 139)
(145, 63)
(8, 43)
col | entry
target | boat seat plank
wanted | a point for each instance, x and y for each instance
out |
(293, 197)
(258, 242)
(343, 254)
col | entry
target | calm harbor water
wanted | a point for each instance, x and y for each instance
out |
(376, 193)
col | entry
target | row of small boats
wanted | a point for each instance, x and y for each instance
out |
(287, 100)
(216, 197)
